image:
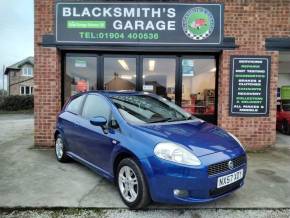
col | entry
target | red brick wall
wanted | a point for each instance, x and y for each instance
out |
(258, 132)
(249, 21)
(251, 24)
(47, 76)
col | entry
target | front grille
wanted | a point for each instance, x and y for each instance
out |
(220, 191)
(223, 166)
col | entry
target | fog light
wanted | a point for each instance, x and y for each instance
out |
(180, 193)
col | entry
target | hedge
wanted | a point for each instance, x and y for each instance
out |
(16, 102)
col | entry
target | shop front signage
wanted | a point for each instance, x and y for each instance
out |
(249, 85)
(139, 23)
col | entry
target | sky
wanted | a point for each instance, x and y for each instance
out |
(16, 32)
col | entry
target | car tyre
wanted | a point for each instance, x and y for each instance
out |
(132, 185)
(285, 127)
(60, 153)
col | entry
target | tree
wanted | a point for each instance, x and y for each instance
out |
(3, 92)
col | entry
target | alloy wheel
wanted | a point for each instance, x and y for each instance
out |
(59, 148)
(128, 183)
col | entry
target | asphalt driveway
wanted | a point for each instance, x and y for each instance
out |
(33, 178)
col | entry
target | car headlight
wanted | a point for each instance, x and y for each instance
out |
(175, 153)
(237, 140)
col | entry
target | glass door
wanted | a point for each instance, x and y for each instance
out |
(119, 73)
(159, 76)
(199, 87)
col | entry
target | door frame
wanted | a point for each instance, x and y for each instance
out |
(216, 58)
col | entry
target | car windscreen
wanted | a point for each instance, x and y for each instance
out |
(141, 109)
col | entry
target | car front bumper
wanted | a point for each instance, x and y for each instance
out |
(164, 177)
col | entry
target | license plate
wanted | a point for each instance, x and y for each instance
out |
(229, 179)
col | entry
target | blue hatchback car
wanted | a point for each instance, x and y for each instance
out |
(151, 148)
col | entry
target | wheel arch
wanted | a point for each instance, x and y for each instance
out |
(120, 156)
(127, 154)
(56, 133)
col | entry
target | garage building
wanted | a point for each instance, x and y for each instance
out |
(219, 61)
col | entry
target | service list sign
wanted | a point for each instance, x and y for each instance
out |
(139, 23)
(249, 85)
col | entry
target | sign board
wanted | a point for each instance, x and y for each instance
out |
(80, 63)
(249, 85)
(285, 92)
(148, 88)
(187, 67)
(139, 23)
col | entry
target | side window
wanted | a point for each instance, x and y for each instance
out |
(75, 105)
(96, 106)
(114, 124)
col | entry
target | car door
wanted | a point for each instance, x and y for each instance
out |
(70, 121)
(97, 142)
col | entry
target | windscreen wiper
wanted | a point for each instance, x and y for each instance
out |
(160, 120)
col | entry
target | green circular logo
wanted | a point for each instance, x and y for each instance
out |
(198, 23)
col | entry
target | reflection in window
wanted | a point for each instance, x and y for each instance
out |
(119, 73)
(159, 76)
(96, 106)
(198, 86)
(80, 75)
(75, 105)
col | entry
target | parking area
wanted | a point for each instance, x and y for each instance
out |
(33, 178)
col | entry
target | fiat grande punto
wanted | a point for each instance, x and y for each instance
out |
(150, 148)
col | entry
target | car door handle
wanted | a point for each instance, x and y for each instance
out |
(76, 124)
(115, 142)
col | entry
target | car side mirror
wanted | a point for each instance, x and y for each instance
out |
(98, 121)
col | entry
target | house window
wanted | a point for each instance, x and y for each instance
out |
(26, 90)
(27, 71)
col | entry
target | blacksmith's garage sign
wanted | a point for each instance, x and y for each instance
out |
(139, 23)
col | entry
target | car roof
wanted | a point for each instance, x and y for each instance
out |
(115, 93)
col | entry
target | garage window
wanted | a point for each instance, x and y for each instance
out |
(80, 74)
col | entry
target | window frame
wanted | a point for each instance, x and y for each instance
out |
(22, 86)
(213, 56)
(158, 52)
(27, 71)
(25, 87)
